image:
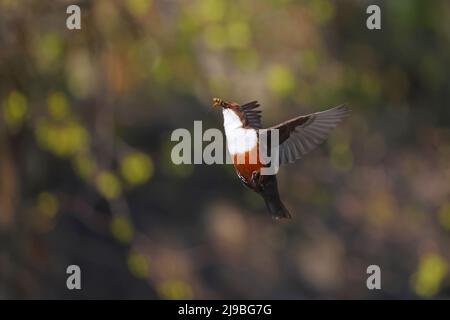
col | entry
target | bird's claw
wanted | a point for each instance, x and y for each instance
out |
(256, 181)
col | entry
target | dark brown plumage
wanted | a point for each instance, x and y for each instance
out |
(297, 137)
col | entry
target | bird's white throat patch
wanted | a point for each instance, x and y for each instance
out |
(239, 139)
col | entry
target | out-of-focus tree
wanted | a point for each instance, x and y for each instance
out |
(85, 169)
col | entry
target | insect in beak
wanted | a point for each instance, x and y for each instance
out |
(217, 102)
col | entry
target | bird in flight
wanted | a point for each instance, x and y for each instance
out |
(296, 137)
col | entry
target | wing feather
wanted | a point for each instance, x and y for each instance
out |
(303, 134)
(252, 116)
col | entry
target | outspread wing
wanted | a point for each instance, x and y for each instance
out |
(252, 116)
(300, 135)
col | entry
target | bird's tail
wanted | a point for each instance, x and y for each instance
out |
(271, 196)
(276, 207)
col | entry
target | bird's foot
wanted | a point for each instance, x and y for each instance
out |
(256, 181)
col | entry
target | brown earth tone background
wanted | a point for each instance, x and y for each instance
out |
(85, 171)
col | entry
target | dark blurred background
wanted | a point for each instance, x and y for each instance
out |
(86, 176)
